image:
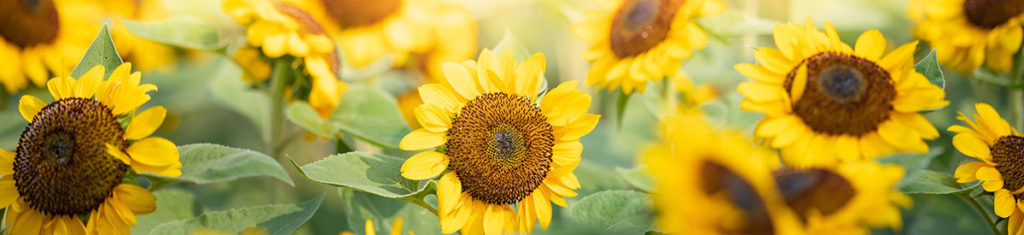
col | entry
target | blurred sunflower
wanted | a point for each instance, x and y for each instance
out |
(1001, 150)
(143, 53)
(368, 30)
(73, 156)
(499, 145)
(635, 41)
(969, 33)
(724, 179)
(846, 199)
(396, 228)
(825, 101)
(40, 38)
(280, 31)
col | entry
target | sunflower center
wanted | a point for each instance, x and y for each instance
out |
(640, 25)
(821, 191)
(719, 180)
(355, 13)
(500, 147)
(27, 23)
(989, 14)
(62, 166)
(845, 94)
(306, 22)
(1008, 155)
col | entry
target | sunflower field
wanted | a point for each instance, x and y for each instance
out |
(511, 117)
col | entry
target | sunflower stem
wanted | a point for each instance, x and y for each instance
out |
(421, 203)
(277, 88)
(974, 203)
(1016, 94)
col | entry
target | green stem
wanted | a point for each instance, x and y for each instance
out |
(277, 87)
(423, 204)
(981, 211)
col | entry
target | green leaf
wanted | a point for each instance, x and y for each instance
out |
(303, 115)
(228, 90)
(637, 177)
(913, 162)
(276, 219)
(929, 67)
(613, 212)
(181, 30)
(172, 205)
(360, 206)
(930, 182)
(100, 52)
(211, 163)
(369, 172)
(510, 43)
(369, 114)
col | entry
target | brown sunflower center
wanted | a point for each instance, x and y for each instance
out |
(821, 191)
(845, 94)
(989, 14)
(62, 166)
(640, 25)
(1008, 155)
(27, 23)
(500, 148)
(355, 13)
(716, 179)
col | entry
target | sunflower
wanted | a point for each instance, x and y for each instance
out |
(368, 30)
(724, 180)
(280, 31)
(846, 199)
(1000, 149)
(969, 33)
(74, 154)
(396, 228)
(144, 54)
(825, 101)
(496, 143)
(635, 41)
(40, 38)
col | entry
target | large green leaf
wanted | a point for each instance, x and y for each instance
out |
(172, 205)
(101, 52)
(369, 114)
(637, 177)
(929, 67)
(275, 219)
(369, 172)
(930, 182)
(361, 206)
(228, 90)
(613, 212)
(181, 30)
(211, 163)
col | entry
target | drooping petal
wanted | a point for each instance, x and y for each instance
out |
(424, 165)
(29, 106)
(421, 139)
(145, 123)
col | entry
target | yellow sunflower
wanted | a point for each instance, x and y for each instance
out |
(143, 53)
(724, 179)
(72, 158)
(1000, 149)
(41, 38)
(969, 33)
(368, 30)
(498, 144)
(635, 41)
(825, 101)
(396, 228)
(280, 30)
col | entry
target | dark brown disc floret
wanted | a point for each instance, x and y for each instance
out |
(640, 25)
(844, 94)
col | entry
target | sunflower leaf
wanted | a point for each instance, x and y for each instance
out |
(211, 163)
(175, 204)
(930, 182)
(929, 67)
(229, 91)
(510, 43)
(100, 52)
(368, 114)
(373, 173)
(613, 212)
(275, 219)
(360, 206)
(183, 31)
(637, 177)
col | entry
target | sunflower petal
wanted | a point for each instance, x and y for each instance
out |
(424, 165)
(1004, 203)
(154, 151)
(138, 199)
(421, 139)
(145, 123)
(29, 106)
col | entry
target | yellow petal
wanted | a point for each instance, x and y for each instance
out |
(529, 75)
(145, 123)
(28, 221)
(799, 83)
(870, 45)
(424, 165)
(6, 162)
(87, 85)
(461, 80)
(421, 139)
(396, 228)
(440, 96)
(154, 151)
(972, 146)
(448, 193)
(966, 172)
(138, 199)
(117, 153)
(433, 118)
(543, 208)
(8, 192)
(990, 119)
(1004, 203)
(494, 220)
(29, 106)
